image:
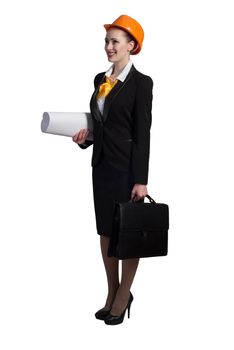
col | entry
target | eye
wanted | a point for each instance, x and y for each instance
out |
(106, 41)
(115, 41)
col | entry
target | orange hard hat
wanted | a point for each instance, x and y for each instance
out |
(130, 26)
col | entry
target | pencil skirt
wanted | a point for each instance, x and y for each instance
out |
(109, 185)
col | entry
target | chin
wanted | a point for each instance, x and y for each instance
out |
(111, 59)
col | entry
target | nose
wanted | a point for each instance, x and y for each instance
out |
(109, 46)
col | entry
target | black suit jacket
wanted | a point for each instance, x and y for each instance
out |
(123, 131)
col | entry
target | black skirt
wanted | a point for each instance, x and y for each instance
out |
(109, 185)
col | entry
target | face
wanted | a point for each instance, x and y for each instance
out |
(117, 46)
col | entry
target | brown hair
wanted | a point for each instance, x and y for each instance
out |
(130, 38)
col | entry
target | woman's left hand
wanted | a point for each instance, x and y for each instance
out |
(139, 192)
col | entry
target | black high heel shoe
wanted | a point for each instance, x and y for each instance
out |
(102, 314)
(114, 320)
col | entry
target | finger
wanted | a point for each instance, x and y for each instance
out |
(80, 135)
(83, 135)
(75, 137)
(133, 195)
(140, 197)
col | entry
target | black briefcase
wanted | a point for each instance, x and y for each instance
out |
(139, 230)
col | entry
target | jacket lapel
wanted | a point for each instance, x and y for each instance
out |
(114, 92)
(93, 103)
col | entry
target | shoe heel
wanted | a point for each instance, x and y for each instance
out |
(129, 310)
(113, 320)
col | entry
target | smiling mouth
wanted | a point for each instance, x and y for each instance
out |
(110, 54)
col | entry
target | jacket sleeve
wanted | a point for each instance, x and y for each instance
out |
(86, 144)
(141, 130)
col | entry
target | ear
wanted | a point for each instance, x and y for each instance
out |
(131, 45)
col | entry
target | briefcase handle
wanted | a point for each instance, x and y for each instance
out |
(149, 198)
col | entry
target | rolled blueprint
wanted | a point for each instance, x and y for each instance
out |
(66, 123)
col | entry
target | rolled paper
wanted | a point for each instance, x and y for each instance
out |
(66, 123)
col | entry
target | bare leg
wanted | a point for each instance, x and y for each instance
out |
(112, 272)
(129, 268)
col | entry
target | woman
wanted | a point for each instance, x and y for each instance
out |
(121, 111)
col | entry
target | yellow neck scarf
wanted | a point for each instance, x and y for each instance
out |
(106, 87)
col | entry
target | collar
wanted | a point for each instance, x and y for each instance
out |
(122, 76)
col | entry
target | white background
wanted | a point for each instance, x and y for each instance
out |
(52, 277)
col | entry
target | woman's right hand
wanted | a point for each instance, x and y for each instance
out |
(81, 136)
